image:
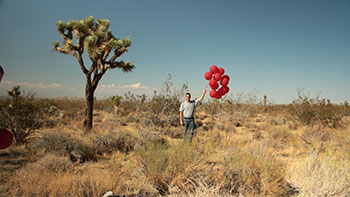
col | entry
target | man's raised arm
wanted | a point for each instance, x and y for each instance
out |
(202, 97)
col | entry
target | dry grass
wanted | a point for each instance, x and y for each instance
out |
(267, 154)
(56, 176)
(317, 175)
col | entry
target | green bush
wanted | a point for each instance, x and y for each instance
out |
(21, 114)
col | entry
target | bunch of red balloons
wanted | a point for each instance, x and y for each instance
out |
(216, 76)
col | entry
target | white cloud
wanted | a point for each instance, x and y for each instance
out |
(133, 86)
(106, 86)
(57, 89)
(32, 85)
(105, 90)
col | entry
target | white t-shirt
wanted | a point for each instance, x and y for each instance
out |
(187, 108)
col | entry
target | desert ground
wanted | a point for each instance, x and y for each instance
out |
(241, 147)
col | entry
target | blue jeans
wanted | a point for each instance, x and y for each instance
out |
(188, 124)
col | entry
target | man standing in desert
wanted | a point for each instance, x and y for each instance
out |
(187, 109)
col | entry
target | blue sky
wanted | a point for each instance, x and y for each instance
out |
(267, 47)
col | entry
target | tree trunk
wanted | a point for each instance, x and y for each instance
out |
(89, 96)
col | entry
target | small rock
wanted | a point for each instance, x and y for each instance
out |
(107, 194)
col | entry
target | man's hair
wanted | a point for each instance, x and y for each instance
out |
(187, 94)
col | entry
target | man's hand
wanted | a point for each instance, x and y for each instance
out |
(204, 91)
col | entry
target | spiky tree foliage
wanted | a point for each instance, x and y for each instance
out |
(98, 41)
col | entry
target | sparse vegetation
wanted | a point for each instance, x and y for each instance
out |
(21, 114)
(311, 111)
(238, 149)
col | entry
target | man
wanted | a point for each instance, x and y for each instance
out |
(187, 113)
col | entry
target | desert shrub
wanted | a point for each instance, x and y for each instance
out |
(242, 107)
(283, 135)
(129, 104)
(250, 174)
(86, 148)
(65, 144)
(52, 163)
(34, 179)
(71, 105)
(163, 164)
(54, 175)
(173, 132)
(277, 120)
(21, 114)
(310, 111)
(153, 160)
(318, 175)
(163, 107)
(161, 110)
(201, 188)
(213, 107)
(346, 108)
(318, 133)
(149, 137)
(164, 110)
(180, 156)
(114, 140)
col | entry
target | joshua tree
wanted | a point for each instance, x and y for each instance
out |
(116, 100)
(265, 107)
(98, 41)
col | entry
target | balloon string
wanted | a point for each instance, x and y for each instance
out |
(207, 88)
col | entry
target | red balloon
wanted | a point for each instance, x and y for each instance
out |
(214, 69)
(213, 94)
(227, 77)
(214, 76)
(213, 84)
(222, 71)
(217, 76)
(221, 90)
(208, 75)
(6, 138)
(225, 89)
(219, 95)
(224, 82)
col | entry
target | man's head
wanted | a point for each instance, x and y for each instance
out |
(188, 97)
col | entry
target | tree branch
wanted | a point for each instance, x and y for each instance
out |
(64, 51)
(75, 48)
(105, 55)
(61, 50)
(92, 68)
(126, 67)
(81, 63)
(117, 53)
(63, 35)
